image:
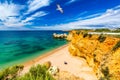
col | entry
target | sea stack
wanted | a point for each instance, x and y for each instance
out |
(60, 36)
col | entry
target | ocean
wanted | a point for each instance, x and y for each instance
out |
(17, 47)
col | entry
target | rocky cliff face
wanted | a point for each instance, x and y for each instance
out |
(101, 52)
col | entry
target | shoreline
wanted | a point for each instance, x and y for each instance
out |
(30, 61)
(75, 65)
(33, 61)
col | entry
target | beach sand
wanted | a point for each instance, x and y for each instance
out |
(75, 65)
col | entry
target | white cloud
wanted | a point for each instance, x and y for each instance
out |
(71, 1)
(109, 19)
(12, 21)
(90, 16)
(36, 4)
(34, 16)
(10, 17)
(7, 10)
(10, 13)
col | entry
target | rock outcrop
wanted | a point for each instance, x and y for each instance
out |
(60, 36)
(101, 52)
(63, 75)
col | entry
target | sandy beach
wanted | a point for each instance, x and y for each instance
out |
(75, 65)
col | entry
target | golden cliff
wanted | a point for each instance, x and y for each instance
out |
(101, 52)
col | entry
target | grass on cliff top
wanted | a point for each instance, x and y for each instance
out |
(38, 72)
(99, 30)
(107, 30)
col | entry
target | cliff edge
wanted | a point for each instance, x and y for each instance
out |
(101, 52)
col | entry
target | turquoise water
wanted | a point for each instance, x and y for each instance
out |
(17, 47)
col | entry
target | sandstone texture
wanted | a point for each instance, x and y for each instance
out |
(101, 52)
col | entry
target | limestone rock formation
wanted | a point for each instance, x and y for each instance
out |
(63, 75)
(101, 52)
(60, 36)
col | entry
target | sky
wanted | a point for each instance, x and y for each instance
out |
(43, 14)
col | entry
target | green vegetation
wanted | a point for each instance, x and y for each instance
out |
(99, 30)
(78, 32)
(116, 46)
(101, 38)
(94, 58)
(102, 30)
(35, 73)
(11, 73)
(117, 30)
(107, 30)
(85, 35)
(86, 30)
(106, 74)
(105, 71)
(90, 35)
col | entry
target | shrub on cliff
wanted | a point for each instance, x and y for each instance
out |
(101, 38)
(90, 35)
(106, 74)
(85, 35)
(78, 32)
(35, 73)
(116, 46)
(11, 73)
